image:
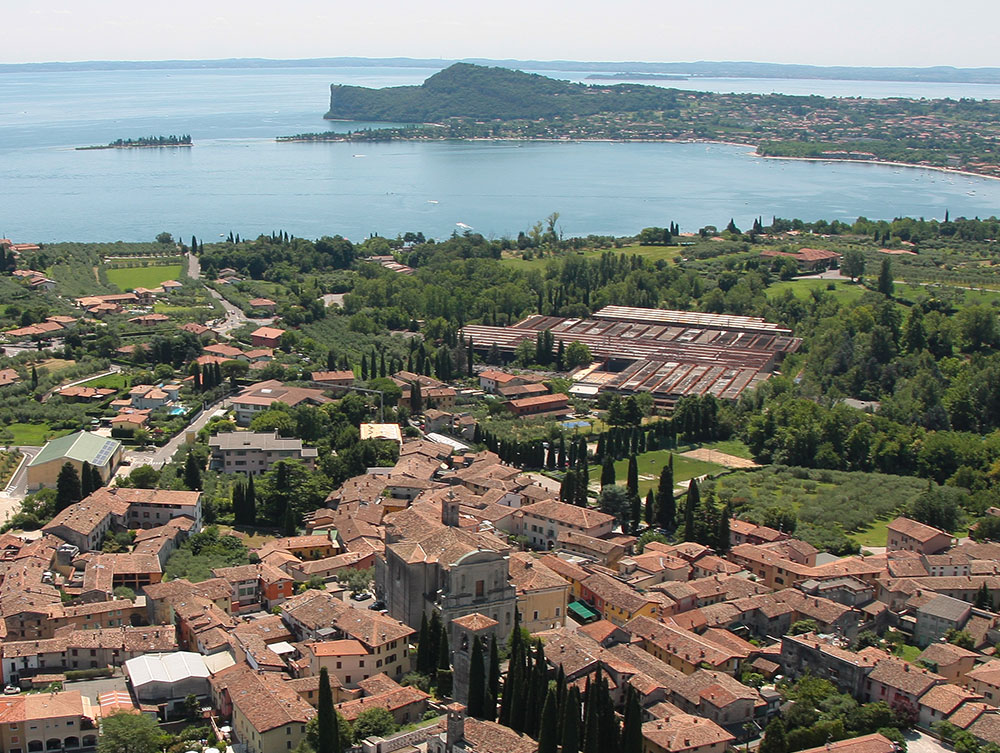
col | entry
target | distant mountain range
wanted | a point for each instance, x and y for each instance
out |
(710, 69)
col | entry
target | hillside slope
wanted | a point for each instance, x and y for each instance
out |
(475, 91)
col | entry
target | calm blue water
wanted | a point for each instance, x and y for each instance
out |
(237, 178)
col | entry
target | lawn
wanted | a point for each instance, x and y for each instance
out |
(907, 652)
(34, 435)
(842, 291)
(109, 381)
(653, 253)
(874, 535)
(130, 278)
(650, 465)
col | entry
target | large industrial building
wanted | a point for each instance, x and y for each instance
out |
(669, 354)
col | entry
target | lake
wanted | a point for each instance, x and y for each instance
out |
(238, 178)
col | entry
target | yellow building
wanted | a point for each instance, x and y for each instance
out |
(542, 595)
(76, 449)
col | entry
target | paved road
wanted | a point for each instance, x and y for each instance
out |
(194, 267)
(160, 456)
(17, 487)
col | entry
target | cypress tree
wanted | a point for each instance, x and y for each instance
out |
(591, 732)
(493, 679)
(67, 487)
(192, 473)
(34, 378)
(327, 741)
(634, 513)
(288, 526)
(567, 489)
(690, 506)
(650, 505)
(239, 503)
(477, 681)
(364, 368)
(510, 687)
(416, 398)
(250, 501)
(570, 722)
(548, 729)
(632, 729)
(608, 471)
(666, 512)
(633, 477)
(722, 536)
(96, 482)
(86, 480)
(423, 645)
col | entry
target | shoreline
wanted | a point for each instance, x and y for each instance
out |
(753, 149)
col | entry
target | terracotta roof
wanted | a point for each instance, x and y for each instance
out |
(901, 675)
(874, 743)
(475, 622)
(988, 673)
(914, 529)
(946, 698)
(394, 699)
(684, 732)
(567, 514)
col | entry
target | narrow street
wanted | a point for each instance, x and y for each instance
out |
(160, 456)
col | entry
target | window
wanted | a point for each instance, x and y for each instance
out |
(480, 588)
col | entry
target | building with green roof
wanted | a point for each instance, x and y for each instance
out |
(79, 448)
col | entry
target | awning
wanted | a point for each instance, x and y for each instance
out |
(582, 612)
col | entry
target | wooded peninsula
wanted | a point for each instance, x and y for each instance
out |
(143, 142)
(468, 101)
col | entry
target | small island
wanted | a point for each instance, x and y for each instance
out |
(143, 142)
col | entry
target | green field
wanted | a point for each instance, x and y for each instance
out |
(130, 278)
(34, 435)
(653, 253)
(843, 291)
(650, 465)
(874, 535)
(110, 381)
(732, 447)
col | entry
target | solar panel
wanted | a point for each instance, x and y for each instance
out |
(105, 452)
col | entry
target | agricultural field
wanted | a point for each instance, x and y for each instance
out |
(653, 253)
(826, 505)
(130, 278)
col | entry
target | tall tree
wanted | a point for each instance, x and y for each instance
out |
(493, 678)
(632, 729)
(192, 473)
(477, 680)
(666, 506)
(608, 471)
(328, 741)
(86, 480)
(691, 503)
(250, 500)
(775, 739)
(570, 722)
(423, 647)
(649, 508)
(885, 283)
(239, 503)
(34, 378)
(67, 487)
(632, 480)
(548, 728)
(722, 537)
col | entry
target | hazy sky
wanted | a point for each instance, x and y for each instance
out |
(831, 32)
